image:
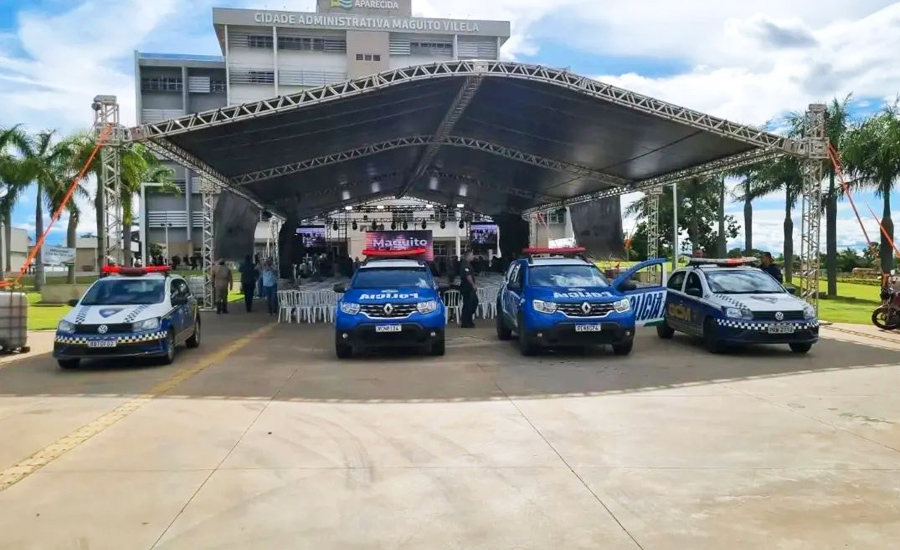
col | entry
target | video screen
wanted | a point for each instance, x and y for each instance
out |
(312, 236)
(484, 235)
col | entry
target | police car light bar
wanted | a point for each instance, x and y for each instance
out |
(134, 271)
(395, 254)
(570, 251)
(723, 262)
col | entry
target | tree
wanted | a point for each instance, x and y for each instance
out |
(44, 164)
(848, 260)
(836, 128)
(138, 165)
(698, 214)
(751, 188)
(13, 180)
(871, 153)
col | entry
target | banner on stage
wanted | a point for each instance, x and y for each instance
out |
(393, 241)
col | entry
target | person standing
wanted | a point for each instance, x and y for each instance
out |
(270, 286)
(249, 274)
(469, 291)
(767, 264)
(222, 283)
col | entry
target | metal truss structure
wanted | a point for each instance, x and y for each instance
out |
(815, 147)
(460, 102)
(428, 141)
(653, 221)
(275, 224)
(208, 192)
(455, 69)
(106, 113)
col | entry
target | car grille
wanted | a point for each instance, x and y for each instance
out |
(575, 310)
(770, 315)
(111, 329)
(376, 311)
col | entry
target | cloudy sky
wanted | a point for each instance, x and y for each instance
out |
(748, 61)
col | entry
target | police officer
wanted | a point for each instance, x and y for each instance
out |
(467, 286)
(767, 264)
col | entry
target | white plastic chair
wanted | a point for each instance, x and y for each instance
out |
(306, 306)
(453, 302)
(285, 305)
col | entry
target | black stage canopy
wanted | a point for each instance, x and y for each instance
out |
(499, 137)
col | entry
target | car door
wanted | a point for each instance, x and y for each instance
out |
(178, 295)
(512, 294)
(694, 302)
(677, 313)
(648, 292)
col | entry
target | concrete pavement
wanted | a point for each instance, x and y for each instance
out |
(271, 442)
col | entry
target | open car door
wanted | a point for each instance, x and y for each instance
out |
(645, 286)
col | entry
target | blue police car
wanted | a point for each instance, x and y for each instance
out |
(728, 301)
(557, 298)
(130, 312)
(390, 303)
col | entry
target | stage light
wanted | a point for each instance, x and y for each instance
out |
(334, 226)
(348, 208)
(381, 207)
(374, 226)
(355, 225)
(365, 218)
(460, 205)
(429, 206)
(462, 224)
(405, 226)
(424, 224)
(393, 225)
(443, 224)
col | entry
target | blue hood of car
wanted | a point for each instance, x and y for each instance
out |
(393, 295)
(574, 295)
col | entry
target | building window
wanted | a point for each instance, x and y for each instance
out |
(376, 57)
(217, 86)
(259, 41)
(359, 57)
(368, 57)
(162, 84)
(557, 216)
(431, 48)
(301, 43)
(261, 77)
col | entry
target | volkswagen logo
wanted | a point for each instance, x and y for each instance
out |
(388, 309)
(779, 316)
(586, 308)
(102, 329)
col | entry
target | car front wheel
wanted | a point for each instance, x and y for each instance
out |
(169, 357)
(194, 340)
(801, 348)
(68, 364)
(664, 331)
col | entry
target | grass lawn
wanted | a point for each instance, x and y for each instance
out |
(854, 303)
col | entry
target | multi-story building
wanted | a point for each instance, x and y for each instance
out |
(270, 53)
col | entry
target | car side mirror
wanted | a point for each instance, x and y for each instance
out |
(627, 286)
(695, 292)
(791, 289)
(72, 303)
(340, 289)
(514, 286)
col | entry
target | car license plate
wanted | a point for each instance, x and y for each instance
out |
(388, 328)
(782, 329)
(588, 328)
(108, 343)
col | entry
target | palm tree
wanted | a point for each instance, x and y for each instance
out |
(721, 252)
(138, 165)
(750, 189)
(836, 127)
(871, 153)
(44, 164)
(70, 148)
(13, 142)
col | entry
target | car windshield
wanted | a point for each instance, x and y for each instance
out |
(567, 276)
(744, 281)
(393, 277)
(115, 291)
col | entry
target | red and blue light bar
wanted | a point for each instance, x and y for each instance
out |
(134, 271)
(541, 251)
(723, 262)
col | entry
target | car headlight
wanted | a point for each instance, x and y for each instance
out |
(146, 324)
(427, 307)
(66, 327)
(544, 307)
(622, 305)
(809, 312)
(349, 308)
(736, 313)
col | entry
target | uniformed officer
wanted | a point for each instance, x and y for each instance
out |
(468, 288)
(767, 264)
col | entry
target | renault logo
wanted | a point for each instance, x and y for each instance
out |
(388, 309)
(779, 316)
(102, 329)
(586, 308)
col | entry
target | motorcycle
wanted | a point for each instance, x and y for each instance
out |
(887, 315)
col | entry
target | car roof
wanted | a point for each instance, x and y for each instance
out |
(392, 263)
(160, 276)
(559, 261)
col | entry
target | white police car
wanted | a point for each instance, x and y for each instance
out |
(130, 312)
(730, 302)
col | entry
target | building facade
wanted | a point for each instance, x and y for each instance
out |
(269, 53)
